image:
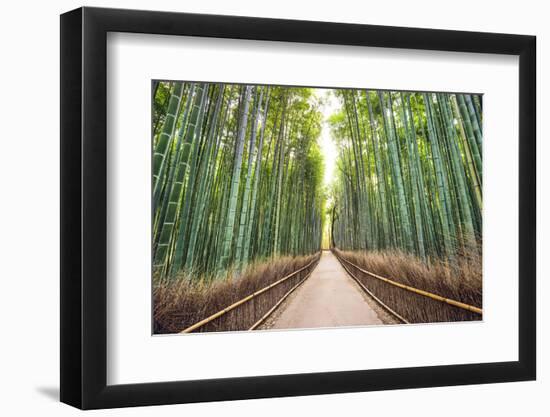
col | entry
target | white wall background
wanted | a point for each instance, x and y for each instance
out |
(29, 225)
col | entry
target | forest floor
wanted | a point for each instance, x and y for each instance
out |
(328, 298)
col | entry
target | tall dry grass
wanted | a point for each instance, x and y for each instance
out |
(182, 302)
(460, 281)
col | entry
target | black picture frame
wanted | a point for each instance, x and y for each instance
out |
(84, 207)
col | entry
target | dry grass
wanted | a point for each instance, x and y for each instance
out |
(180, 303)
(461, 281)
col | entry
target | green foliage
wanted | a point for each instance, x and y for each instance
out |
(238, 174)
(241, 180)
(409, 172)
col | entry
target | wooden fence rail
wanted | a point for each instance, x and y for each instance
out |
(436, 297)
(310, 266)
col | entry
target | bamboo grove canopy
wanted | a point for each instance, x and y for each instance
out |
(409, 173)
(237, 176)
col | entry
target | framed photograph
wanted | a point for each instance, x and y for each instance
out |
(255, 208)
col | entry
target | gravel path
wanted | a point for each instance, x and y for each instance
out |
(328, 298)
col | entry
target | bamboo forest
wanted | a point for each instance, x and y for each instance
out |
(261, 192)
